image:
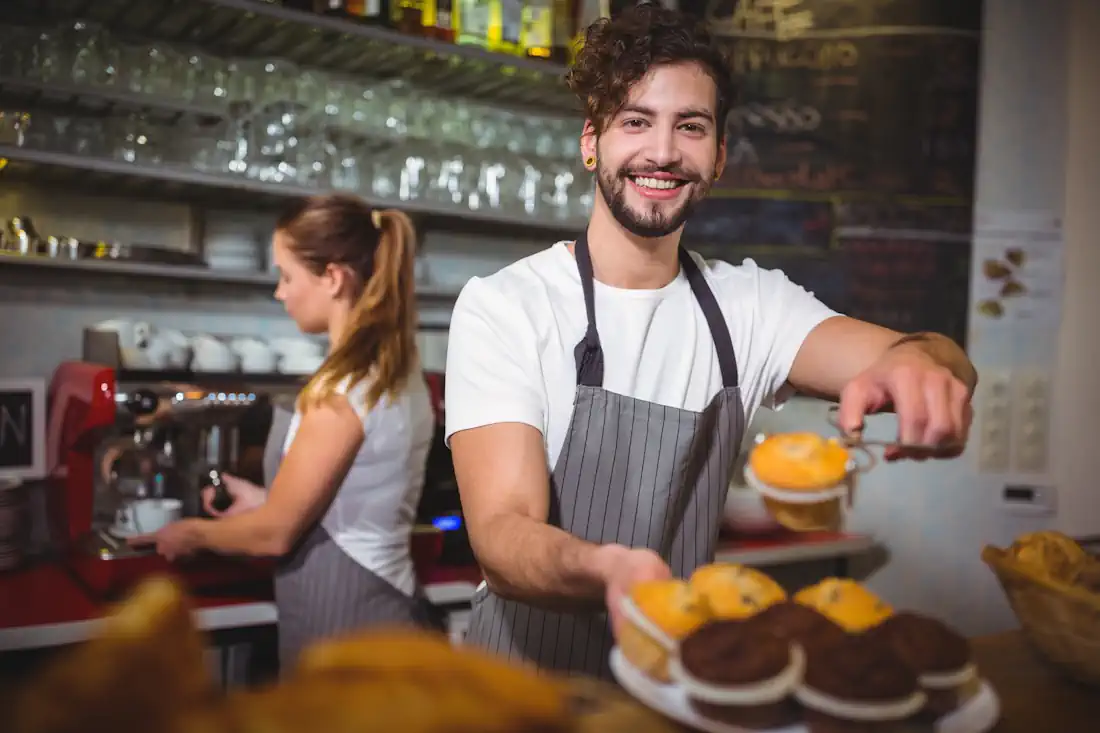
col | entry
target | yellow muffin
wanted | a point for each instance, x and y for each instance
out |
(735, 591)
(846, 602)
(799, 462)
(656, 616)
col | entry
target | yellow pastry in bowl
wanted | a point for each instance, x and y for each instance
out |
(802, 479)
(800, 462)
(845, 602)
(735, 591)
(657, 614)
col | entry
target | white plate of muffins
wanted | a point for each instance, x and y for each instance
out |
(728, 652)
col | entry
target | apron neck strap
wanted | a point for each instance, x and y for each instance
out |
(719, 329)
(589, 352)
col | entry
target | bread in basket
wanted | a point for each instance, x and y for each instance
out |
(1053, 586)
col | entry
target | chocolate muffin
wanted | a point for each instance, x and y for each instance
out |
(797, 623)
(938, 654)
(857, 683)
(738, 673)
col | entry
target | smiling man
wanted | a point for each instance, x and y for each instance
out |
(597, 392)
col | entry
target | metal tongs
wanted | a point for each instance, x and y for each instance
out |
(855, 441)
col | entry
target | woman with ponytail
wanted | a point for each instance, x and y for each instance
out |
(346, 470)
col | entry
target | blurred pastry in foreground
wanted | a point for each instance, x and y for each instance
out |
(734, 673)
(143, 671)
(858, 683)
(735, 591)
(938, 654)
(656, 616)
(846, 602)
(412, 700)
(802, 479)
(798, 623)
(373, 662)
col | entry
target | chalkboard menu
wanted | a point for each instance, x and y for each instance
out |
(22, 428)
(857, 116)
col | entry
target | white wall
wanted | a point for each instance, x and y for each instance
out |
(1077, 380)
(935, 518)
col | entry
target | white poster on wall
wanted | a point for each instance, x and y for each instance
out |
(1018, 274)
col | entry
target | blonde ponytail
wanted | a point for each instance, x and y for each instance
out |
(379, 341)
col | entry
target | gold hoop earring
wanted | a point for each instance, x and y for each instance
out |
(590, 161)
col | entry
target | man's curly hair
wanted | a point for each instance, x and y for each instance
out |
(619, 52)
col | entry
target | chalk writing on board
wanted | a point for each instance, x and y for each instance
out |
(14, 424)
(778, 19)
(779, 117)
(22, 428)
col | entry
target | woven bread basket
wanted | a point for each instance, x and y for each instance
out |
(1061, 621)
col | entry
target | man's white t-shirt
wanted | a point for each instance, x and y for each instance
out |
(372, 515)
(510, 355)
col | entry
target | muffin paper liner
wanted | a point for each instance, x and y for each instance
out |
(639, 619)
(789, 496)
(871, 712)
(756, 693)
(948, 680)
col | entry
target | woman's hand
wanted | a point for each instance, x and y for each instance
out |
(176, 540)
(246, 496)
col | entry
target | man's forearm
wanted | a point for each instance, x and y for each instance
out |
(531, 561)
(944, 352)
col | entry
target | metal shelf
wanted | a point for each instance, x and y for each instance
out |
(28, 94)
(250, 28)
(174, 183)
(181, 273)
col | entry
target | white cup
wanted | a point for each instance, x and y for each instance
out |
(142, 516)
(255, 355)
(300, 364)
(212, 355)
(292, 347)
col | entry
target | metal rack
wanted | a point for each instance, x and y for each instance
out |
(250, 28)
(176, 183)
(30, 94)
(180, 273)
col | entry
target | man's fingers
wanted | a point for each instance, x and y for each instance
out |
(942, 416)
(907, 393)
(859, 399)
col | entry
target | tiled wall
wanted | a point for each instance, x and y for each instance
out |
(45, 311)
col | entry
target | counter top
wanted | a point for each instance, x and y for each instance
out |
(1035, 697)
(42, 606)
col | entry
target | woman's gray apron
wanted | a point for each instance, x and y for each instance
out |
(630, 472)
(320, 592)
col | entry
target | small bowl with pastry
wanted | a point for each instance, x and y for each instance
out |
(803, 478)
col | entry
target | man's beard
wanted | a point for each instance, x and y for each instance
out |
(653, 221)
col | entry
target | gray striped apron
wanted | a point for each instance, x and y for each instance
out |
(320, 592)
(630, 472)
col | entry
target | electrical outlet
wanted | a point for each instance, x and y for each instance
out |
(1030, 421)
(993, 459)
(1028, 500)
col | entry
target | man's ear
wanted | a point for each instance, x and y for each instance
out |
(720, 160)
(588, 144)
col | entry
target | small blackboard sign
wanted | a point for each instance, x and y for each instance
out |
(22, 428)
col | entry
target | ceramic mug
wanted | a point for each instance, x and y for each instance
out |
(143, 516)
(212, 355)
(255, 355)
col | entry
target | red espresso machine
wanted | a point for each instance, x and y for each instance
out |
(162, 439)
